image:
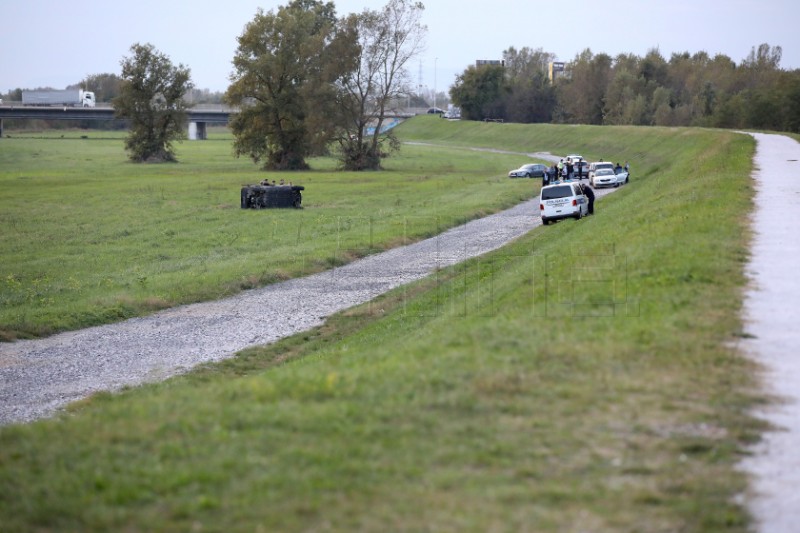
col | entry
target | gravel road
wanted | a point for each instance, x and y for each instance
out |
(772, 314)
(38, 377)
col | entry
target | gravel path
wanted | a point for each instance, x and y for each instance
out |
(772, 314)
(40, 376)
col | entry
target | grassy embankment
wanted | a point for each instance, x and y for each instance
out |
(88, 238)
(580, 379)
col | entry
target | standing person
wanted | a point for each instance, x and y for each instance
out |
(587, 190)
(627, 168)
(570, 169)
(546, 177)
(580, 169)
(561, 169)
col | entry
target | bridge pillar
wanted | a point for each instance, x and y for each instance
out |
(197, 131)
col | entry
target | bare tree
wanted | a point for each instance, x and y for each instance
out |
(388, 39)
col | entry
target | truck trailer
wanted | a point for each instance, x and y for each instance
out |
(68, 97)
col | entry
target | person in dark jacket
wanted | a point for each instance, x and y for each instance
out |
(552, 174)
(587, 190)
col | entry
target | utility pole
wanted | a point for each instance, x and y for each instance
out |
(435, 64)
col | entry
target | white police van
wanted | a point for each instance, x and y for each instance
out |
(562, 200)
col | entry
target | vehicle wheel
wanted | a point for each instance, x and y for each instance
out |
(545, 221)
(626, 179)
(579, 214)
(616, 185)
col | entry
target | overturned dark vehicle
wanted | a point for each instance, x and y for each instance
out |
(264, 196)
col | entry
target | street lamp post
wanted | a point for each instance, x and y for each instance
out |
(435, 61)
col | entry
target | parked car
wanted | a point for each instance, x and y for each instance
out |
(531, 170)
(562, 200)
(622, 175)
(604, 177)
(583, 167)
(435, 110)
(594, 167)
(573, 158)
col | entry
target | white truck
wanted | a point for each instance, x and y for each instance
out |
(68, 97)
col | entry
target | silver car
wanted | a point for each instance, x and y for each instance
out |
(531, 170)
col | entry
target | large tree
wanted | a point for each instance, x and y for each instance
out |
(532, 96)
(387, 41)
(285, 70)
(151, 97)
(481, 92)
(582, 95)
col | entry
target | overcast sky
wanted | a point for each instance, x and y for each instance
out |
(54, 43)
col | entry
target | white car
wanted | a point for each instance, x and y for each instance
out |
(603, 177)
(562, 200)
(622, 175)
(573, 158)
(597, 165)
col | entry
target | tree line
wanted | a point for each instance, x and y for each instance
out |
(686, 90)
(304, 80)
(308, 82)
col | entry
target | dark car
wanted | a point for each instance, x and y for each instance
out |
(531, 170)
(583, 167)
(435, 111)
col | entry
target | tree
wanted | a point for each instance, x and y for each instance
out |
(583, 95)
(531, 96)
(284, 82)
(387, 41)
(151, 97)
(792, 98)
(481, 92)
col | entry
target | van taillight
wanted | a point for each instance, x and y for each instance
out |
(541, 207)
(574, 202)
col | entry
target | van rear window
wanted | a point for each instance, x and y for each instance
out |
(560, 191)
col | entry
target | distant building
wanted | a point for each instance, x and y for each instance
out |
(556, 69)
(483, 62)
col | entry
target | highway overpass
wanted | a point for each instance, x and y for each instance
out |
(199, 116)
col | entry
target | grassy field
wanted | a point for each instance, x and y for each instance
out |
(583, 378)
(88, 238)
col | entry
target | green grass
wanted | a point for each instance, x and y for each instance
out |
(581, 379)
(88, 238)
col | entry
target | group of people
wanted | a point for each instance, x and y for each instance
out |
(569, 170)
(565, 171)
